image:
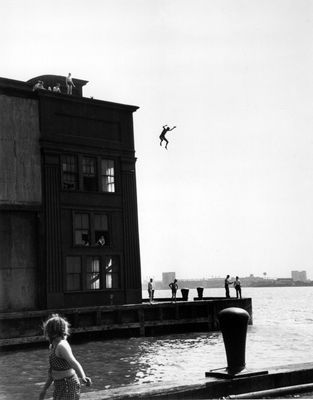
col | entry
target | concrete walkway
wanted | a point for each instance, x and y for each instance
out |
(213, 388)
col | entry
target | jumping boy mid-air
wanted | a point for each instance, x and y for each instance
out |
(164, 132)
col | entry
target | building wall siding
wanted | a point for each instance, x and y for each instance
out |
(20, 178)
(18, 266)
(36, 227)
(131, 245)
(53, 232)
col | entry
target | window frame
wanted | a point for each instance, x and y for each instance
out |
(75, 173)
(79, 182)
(74, 229)
(81, 284)
(87, 273)
(94, 177)
(102, 273)
(92, 229)
(102, 175)
(114, 273)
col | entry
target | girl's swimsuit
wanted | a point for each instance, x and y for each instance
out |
(66, 388)
(57, 363)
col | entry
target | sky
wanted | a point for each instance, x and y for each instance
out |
(233, 194)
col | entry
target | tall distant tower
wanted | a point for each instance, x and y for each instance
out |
(168, 277)
(299, 276)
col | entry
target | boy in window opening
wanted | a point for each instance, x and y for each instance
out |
(101, 241)
(163, 133)
(174, 287)
(85, 240)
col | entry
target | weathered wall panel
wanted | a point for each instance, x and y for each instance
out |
(18, 260)
(72, 117)
(20, 178)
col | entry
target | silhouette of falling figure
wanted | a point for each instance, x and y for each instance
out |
(164, 132)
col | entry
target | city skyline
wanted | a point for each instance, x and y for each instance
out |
(292, 275)
(234, 191)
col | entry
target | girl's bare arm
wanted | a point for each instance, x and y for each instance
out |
(64, 351)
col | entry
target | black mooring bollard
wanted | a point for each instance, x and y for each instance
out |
(200, 292)
(233, 323)
(184, 293)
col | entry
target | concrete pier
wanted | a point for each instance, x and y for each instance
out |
(160, 317)
(295, 378)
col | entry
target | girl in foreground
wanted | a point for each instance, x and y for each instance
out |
(63, 364)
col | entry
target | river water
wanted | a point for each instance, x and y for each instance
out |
(282, 333)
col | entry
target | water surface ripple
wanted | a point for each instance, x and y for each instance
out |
(282, 333)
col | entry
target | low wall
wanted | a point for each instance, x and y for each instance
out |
(130, 320)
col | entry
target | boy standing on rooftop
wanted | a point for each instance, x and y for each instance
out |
(69, 83)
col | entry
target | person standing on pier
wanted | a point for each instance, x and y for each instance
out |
(174, 287)
(150, 290)
(227, 283)
(237, 285)
(64, 367)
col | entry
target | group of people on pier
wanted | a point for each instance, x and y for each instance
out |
(174, 287)
(237, 286)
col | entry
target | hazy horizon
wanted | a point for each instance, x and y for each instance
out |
(234, 191)
(232, 275)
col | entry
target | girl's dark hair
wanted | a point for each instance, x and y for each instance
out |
(56, 326)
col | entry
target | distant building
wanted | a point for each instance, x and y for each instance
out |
(299, 276)
(68, 202)
(167, 278)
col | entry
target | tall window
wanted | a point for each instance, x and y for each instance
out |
(81, 229)
(107, 176)
(89, 172)
(91, 229)
(69, 173)
(112, 272)
(93, 273)
(101, 230)
(73, 273)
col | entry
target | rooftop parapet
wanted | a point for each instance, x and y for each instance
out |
(53, 80)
